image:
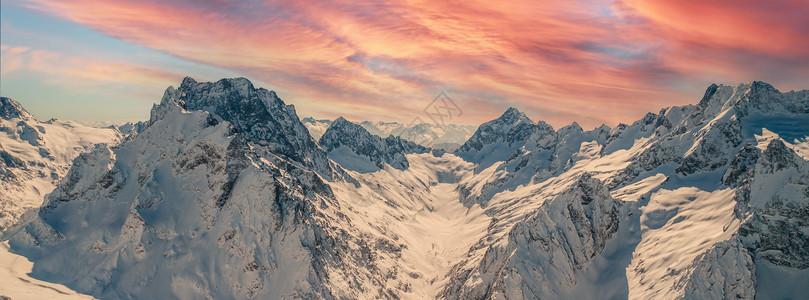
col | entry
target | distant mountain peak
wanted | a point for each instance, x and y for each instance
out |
(512, 127)
(188, 80)
(349, 144)
(342, 121)
(762, 85)
(513, 115)
(574, 127)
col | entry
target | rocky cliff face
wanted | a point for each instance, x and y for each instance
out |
(775, 205)
(257, 114)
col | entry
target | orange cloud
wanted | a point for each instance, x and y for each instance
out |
(730, 40)
(74, 72)
(591, 61)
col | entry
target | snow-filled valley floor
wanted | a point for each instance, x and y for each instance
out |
(421, 208)
(17, 284)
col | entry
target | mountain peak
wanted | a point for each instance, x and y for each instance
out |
(762, 85)
(341, 126)
(512, 110)
(513, 115)
(188, 81)
(778, 156)
(574, 127)
(353, 147)
(340, 120)
(512, 127)
(256, 113)
(10, 109)
(340, 131)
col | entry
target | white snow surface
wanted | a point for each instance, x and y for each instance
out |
(695, 202)
(35, 155)
(16, 284)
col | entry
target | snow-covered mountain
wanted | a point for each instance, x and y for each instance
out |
(446, 137)
(224, 194)
(518, 151)
(685, 229)
(34, 155)
(204, 202)
(354, 148)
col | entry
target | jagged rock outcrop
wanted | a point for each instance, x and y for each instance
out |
(775, 205)
(542, 255)
(10, 109)
(257, 114)
(726, 271)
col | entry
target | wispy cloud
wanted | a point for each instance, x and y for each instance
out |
(82, 72)
(591, 61)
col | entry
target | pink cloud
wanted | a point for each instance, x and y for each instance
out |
(589, 61)
(73, 72)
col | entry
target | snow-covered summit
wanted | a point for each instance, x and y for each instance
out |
(354, 148)
(257, 114)
(513, 115)
(511, 127)
(218, 197)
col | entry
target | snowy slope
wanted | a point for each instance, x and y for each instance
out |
(17, 284)
(199, 205)
(688, 172)
(34, 155)
(419, 210)
(225, 195)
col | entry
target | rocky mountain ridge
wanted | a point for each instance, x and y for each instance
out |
(349, 144)
(225, 190)
(447, 137)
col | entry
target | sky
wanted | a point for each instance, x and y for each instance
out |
(588, 61)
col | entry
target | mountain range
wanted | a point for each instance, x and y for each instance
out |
(225, 194)
(447, 137)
